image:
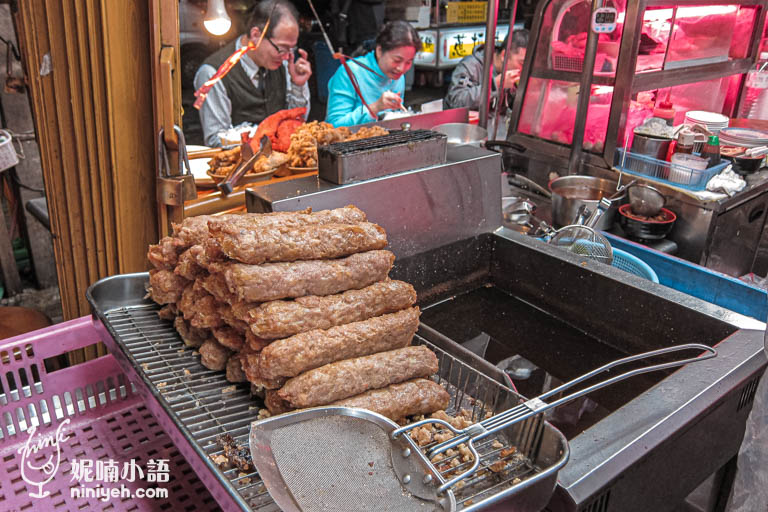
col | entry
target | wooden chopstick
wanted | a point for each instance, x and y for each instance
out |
(203, 153)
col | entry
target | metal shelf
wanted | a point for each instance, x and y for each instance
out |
(571, 76)
(679, 76)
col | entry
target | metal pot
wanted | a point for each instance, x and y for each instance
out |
(569, 193)
(463, 133)
(655, 147)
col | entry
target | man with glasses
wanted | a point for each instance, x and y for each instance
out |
(265, 80)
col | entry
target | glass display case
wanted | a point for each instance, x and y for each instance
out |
(693, 54)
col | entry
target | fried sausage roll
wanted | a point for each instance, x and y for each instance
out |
(313, 242)
(281, 319)
(351, 377)
(272, 281)
(396, 401)
(252, 221)
(289, 357)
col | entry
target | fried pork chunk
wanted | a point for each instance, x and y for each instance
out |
(168, 312)
(235, 371)
(165, 287)
(213, 355)
(229, 337)
(199, 307)
(191, 336)
(187, 266)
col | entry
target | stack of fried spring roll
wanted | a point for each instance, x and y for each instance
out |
(300, 305)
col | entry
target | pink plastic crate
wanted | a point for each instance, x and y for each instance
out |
(107, 422)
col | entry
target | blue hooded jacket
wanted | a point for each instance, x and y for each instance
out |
(344, 106)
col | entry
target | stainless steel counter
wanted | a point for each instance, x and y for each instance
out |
(420, 209)
(729, 235)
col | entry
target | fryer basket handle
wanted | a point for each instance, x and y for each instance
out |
(619, 362)
(537, 405)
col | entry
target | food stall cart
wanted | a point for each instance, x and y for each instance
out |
(465, 302)
(443, 223)
(691, 54)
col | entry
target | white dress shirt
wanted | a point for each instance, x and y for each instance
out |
(216, 111)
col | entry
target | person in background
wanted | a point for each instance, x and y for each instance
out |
(396, 46)
(467, 78)
(366, 18)
(264, 81)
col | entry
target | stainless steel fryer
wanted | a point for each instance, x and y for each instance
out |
(195, 405)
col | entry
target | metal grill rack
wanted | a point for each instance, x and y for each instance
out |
(381, 141)
(197, 405)
(357, 160)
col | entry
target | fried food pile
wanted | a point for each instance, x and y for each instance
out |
(224, 162)
(300, 305)
(304, 141)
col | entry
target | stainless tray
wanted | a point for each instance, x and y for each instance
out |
(195, 405)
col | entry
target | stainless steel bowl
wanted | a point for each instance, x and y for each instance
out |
(569, 193)
(463, 133)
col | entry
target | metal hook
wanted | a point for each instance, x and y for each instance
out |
(163, 166)
(184, 168)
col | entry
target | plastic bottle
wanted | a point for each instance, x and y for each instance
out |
(755, 104)
(665, 111)
(685, 141)
(711, 151)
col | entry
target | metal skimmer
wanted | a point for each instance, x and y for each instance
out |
(196, 405)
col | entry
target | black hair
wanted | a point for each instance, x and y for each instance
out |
(396, 34)
(519, 40)
(278, 9)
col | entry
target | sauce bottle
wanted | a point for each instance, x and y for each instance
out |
(711, 150)
(685, 141)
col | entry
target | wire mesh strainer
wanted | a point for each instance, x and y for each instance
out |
(340, 458)
(584, 240)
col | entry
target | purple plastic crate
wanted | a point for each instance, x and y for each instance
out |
(103, 420)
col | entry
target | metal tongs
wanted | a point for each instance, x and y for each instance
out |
(246, 163)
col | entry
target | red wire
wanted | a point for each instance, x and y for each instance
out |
(355, 85)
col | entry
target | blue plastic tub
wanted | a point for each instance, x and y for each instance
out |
(716, 288)
(665, 172)
(632, 264)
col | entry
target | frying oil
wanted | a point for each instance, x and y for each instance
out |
(538, 350)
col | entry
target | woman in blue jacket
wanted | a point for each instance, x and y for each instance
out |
(396, 46)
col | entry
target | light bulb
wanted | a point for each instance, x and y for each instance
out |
(217, 20)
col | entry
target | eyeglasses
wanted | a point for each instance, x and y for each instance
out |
(281, 50)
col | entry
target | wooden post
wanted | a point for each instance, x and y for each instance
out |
(88, 66)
